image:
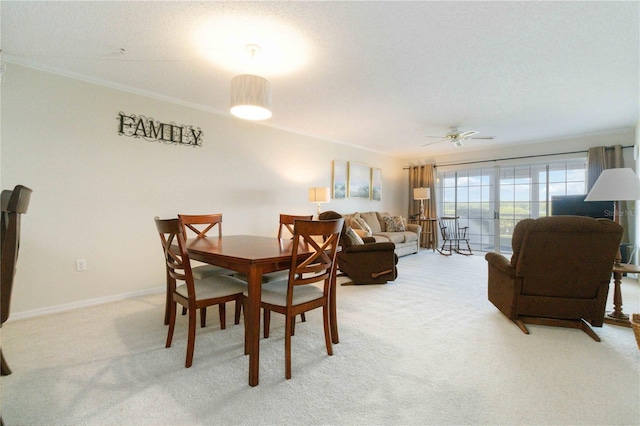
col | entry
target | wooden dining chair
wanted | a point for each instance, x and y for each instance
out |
(193, 294)
(204, 226)
(285, 230)
(14, 204)
(298, 293)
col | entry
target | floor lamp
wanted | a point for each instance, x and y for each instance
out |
(615, 185)
(421, 194)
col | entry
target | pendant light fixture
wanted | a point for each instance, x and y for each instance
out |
(251, 94)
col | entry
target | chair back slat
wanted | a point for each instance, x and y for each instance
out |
(287, 220)
(201, 224)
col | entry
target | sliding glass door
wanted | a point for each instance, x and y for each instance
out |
(470, 195)
(491, 201)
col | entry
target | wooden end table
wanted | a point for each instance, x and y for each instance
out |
(617, 317)
(428, 236)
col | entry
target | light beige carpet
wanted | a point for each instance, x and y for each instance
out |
(426, 349)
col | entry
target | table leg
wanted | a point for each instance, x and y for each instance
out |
(252, 315)
(617, 316)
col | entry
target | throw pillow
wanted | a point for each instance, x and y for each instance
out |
(354, 238)
(394, 224)
(361, 232)
(364, 226)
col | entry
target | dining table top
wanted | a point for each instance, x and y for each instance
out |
(247, 248)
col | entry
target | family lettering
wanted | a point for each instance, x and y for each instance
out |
(139, 126)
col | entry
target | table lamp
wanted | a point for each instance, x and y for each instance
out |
(319, 195)
(421, 194)
(615, 185)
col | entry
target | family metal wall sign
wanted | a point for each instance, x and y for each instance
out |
(139, 126)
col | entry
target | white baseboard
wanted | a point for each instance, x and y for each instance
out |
(85, 303)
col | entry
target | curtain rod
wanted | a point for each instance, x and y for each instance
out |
(518, 158)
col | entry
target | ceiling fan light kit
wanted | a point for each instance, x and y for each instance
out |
(456, 138)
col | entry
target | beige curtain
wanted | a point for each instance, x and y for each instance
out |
(423, 177)
(601, 158)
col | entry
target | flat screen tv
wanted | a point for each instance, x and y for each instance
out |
(575, 205)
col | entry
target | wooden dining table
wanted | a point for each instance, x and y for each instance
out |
(255, 256)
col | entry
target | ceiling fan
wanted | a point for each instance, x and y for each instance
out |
(456, 137)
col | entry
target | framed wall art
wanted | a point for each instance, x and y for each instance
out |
(339, 179)
(359, 180)
(376, 184)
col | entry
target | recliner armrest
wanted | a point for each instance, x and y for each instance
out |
(371, 247)
(499, 262)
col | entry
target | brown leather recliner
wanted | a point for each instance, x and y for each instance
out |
(369, 263)
(559, 272)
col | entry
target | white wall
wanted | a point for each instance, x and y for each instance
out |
(96, 193)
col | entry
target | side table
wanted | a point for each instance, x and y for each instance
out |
(617, 317)
(427, 236)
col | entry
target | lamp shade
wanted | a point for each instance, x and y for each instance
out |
(615, 185)
(250, 97)
(421, 193)
(319, 195)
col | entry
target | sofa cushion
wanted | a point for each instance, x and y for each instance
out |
(398, 237)
(394, 224)
(372, 220)
(381, 216)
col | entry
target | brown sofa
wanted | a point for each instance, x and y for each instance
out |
(406, 242)
(366, 263)
(559, 272)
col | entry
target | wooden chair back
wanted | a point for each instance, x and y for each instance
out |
(201, 224)
(175, 253)
(322, 238)
(286, 222)
(14, 204)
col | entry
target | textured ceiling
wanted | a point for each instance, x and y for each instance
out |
(380, 75)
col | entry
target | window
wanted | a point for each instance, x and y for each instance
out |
(491, 201)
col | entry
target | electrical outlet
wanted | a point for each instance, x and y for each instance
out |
(81, 265)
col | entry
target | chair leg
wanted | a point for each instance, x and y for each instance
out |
(191, 338)
(287, 347)
(521, 325)
(327, 329)
(246, 334)
(203, 317)
(184, 311)
(238, 311)
(4, 370)
(223, 315)
(267, 323)
(587, 329)
(303, 317)
(172, 323)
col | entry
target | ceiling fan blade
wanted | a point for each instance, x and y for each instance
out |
(436, 137)
(485, 137)
(435, 142)
(464, 135)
